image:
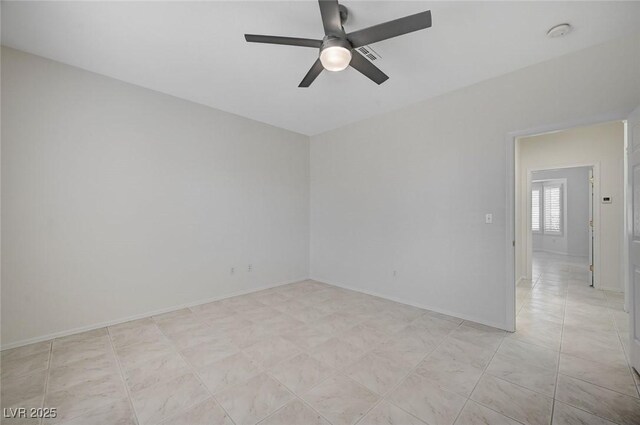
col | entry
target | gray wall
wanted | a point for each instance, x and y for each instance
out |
(408, 191)
(118, 201)
(575, 237)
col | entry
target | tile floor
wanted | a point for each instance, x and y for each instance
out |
(314, 354)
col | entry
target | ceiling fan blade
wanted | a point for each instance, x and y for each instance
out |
(330, 12)
(368, 69)
(315, 70)
(390, 29)
(289, 41)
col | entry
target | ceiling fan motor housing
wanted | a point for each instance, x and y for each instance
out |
(333, 41)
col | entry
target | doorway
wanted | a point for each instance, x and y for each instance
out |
(551, 170)
(561, 216)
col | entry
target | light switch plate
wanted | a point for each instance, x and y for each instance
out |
(488, 218)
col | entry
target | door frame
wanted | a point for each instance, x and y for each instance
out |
(510, 216)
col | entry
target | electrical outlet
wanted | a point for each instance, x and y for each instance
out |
(233, 270)
(249, 268)
(395, 273)
(488, 218)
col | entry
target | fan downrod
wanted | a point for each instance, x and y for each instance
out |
(344, 13)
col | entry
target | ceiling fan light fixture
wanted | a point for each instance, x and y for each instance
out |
(335, 58)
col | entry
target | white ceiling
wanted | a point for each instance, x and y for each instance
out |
(196, 50)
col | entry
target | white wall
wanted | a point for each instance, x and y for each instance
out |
(118, 201)
(574, 239)
(602, 145)
(409, 190)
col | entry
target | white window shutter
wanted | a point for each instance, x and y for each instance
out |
(552, 208)
(535, 209)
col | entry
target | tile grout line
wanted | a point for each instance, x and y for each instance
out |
(404, 378)
(46, 380)
(484, 372)
(193, 371)
(122, 377)
(555, 387)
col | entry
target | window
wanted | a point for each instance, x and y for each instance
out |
(547, 207)
(535, 208)
(552, 208)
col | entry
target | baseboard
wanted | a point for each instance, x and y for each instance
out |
(414, 304)
(140, 316)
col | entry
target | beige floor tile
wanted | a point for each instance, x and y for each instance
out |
(477, 414)
(272, 351)
(25, 365)
(513, 401)
(427, 400)
(379, 372)
(547, 337)
(421, 334)
(599, 401)
(306, 338)
(208, 412)
(295, 412)
(453, 375)
(18, 414)
(194, 336)
(174, 327)
(387, 324)
(614, 377)
(340, 400)
(336, 353)
(153, 404)
(334, 323)
(254, 400)
(84, 398)
(364, 336)
(307, 314)
(517, 372)
(117, 413)
(24, 351)
(208, 352)
(453, 319)
(133, 356)
(135, 335)
(232, 370)
(531, 354)
(79, 337)
(156, 370)
(484, 337)
(404, 350)
(80, 371)
(22, 388)
(386, 413)
(465, 352)
(73, 351)
(563, 414)
(301, 372)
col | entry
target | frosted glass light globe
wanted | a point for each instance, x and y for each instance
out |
(335, 58)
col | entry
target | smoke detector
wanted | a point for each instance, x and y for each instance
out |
(559, 30)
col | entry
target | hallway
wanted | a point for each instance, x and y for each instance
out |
(581, 332)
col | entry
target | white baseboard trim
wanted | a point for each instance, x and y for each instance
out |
(80, 329)
(414, 304)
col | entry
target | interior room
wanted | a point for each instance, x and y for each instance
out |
(320, 212)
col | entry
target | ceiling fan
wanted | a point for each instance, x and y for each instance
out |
(337, 47)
